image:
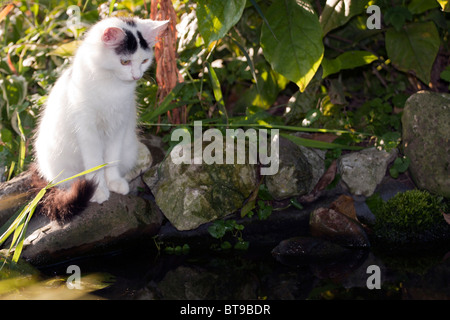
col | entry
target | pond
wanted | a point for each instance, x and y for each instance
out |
(143, 273)
(142, 269)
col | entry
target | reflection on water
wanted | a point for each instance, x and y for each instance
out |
(23, 282)
(254, 274)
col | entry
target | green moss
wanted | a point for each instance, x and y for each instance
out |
(413, 216)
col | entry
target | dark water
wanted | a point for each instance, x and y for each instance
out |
(143, 273)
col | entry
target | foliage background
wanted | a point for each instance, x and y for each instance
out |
(294, 64)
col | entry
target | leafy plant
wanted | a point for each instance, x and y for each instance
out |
(220, 228)
(177, 249)
(400, 165)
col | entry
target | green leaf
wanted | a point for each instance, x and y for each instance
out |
(217, 91)
(296, 204)
(393, 172)
(337, 12)
(401, 164)
(264, 210)
(414, 48)
(226, 245)
(347, 60)
(217, 229)
(445, 5)
(445, 75)
(215, 18)
(66, 50)
(14, 91)
(420, 6)
(241, 245)
(270, 83)
(263, 193)
(397, 17)
(293, 46)
(6, 135)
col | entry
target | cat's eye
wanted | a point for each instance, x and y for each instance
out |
(125, 62)
(145, 61)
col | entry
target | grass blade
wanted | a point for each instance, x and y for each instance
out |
(19, 222)
(261, 14)
(78, 175)
(217, 92)
(166, 105)
(249, 62)
(318, 144)
(111, 6)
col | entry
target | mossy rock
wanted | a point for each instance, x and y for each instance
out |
(190, 195)
(412, 217)
(426, 140)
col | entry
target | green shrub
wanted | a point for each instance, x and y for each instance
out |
(413, 216)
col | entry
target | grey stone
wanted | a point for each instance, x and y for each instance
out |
(300, 169)
(426, 140)
(362, 171)
(13, 195)
(95, 230)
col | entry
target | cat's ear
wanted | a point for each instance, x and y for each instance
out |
(154, 29)
(112, 37)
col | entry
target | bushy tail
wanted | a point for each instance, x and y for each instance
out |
(62, 204)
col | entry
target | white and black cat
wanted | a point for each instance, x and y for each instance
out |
(90, 115)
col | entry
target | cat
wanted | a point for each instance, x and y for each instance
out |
(90, 115)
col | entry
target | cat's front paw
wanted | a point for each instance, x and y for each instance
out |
(100, 195)
(119, 186)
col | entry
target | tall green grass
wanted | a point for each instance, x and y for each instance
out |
(18, 223)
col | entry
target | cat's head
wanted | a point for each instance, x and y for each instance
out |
(128, 45)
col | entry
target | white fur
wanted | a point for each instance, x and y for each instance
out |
(90, 115)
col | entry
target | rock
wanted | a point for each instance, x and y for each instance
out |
(338, 228)
(300, 169)
(144, 162)
(190, 195)
(156, 147)
(13, 195)
(426, 140)
(362, 171)
(306, 250)
(95, 230)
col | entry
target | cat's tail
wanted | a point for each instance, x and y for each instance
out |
(62, 204)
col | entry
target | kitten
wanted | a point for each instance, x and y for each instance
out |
(90, 115)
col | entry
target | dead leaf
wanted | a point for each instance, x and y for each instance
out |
(325, 137)
(446, 217)
(324, 181)
(5, 11)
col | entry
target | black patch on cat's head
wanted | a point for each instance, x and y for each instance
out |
(142, 42)
(129, 44)
(129, 21)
